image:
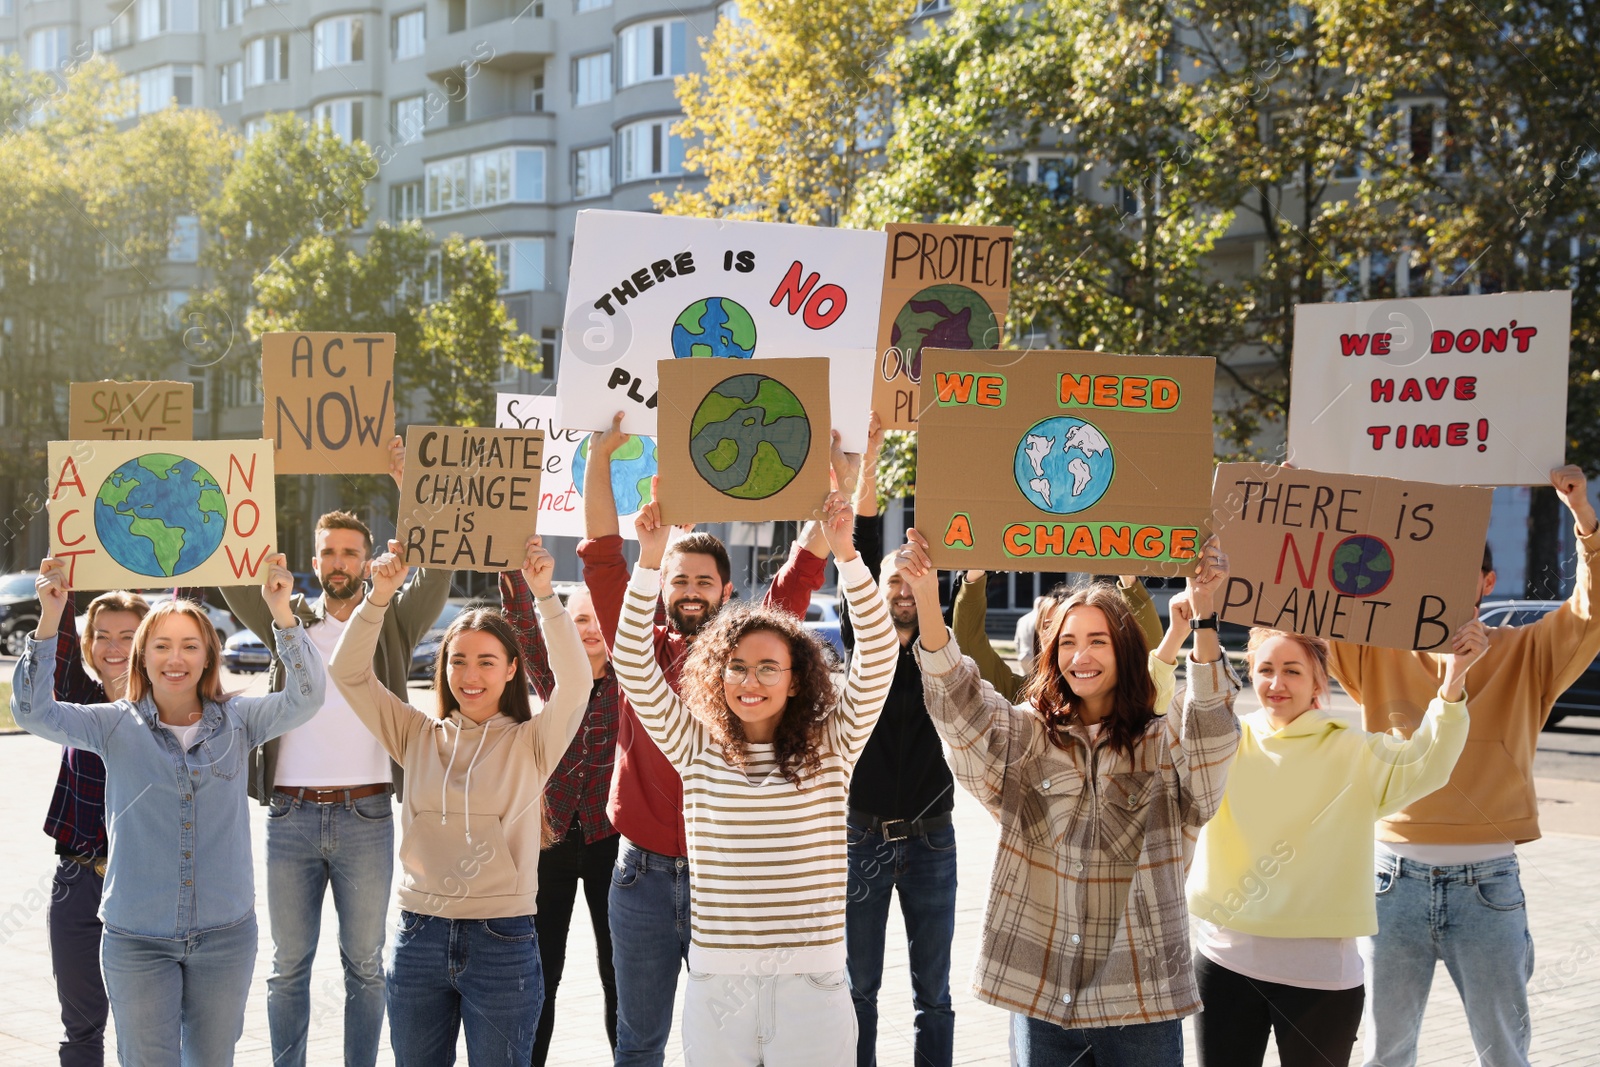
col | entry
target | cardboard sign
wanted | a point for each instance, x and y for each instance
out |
(139, 514)
(1374, 561)
(1064, 461)
(1460, 390)
(566, 457)
(943, 287)
(646, 287)
(328, 401)
(470, 496)
(130, 411)
(741, 441)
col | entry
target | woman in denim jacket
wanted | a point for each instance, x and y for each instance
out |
(179, 902)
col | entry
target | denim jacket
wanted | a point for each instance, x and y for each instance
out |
(177, 822)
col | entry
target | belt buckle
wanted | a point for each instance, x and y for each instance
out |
(891, 835)
(100, 866)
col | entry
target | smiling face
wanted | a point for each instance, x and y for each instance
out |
(175, 656)
(902, 605)
(759, 705)
(694, 590)
(580, 605)
(1085, 655)
(341, 562)
(1285, 679)
(477, 671)
(111, 646)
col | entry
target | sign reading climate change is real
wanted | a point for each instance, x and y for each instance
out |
(469, 498)
(141, 514)
(648, 287)
(1064, 461)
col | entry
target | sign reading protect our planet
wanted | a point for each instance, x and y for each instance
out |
(1064, 461)
(943, 287)
(1374, 561)
(1460, 390)
(566, 459)
(743, 442)
(137, 514)
(645, 287)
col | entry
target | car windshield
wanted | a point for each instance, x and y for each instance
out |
(16, 585)
(448, 615)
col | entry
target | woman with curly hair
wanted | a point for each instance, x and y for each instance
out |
(765, 740)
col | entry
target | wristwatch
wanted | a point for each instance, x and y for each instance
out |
(1207, 623)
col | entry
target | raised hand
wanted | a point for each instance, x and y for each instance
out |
(397, 460)
(1573, 488)
(538, 566)
(652, 532)
(846, 466)
(277, 587)
(51, 586)
(838, 521)
(915, 567)
(388, 575)
(1467, 647)
(1209, 580)
(874, 437)
(603, 443)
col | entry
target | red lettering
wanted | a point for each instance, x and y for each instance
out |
(241, 567)
(76, 481)
(1425, 437)
(1308, 575)
(1353, 344)
(248, 479)
(1378, 433)
(1467, 388)
(1455, 433)
(1443, 341)
(1382, 389)
(1380, 344)
(61, 534)
(1411, 390)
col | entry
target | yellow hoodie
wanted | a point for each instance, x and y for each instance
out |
(1289, 853)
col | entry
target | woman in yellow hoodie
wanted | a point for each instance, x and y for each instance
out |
(471, 824)
(1280, 882)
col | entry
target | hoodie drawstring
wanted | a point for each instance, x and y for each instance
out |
(466, 791)
(444, 786)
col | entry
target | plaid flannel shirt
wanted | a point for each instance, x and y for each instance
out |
(1086, 923)
(581, 782)
(77, 815)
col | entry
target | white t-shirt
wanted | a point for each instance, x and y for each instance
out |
(1447, 855)
(334, 748)
(184, 734)
(1305, 962)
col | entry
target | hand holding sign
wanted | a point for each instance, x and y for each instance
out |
(51, 586)
(838, 526)
(1210, 578)
(1467, 647)
(397, 460)
(653, 533)
(388, 575)
(538, 567)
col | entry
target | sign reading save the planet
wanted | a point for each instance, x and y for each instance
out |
(943, 287)
(1064, 461)
(743, 442)
(1373, 561)
(140, 514)
(644, 287)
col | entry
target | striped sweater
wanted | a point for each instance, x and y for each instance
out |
(767, 860)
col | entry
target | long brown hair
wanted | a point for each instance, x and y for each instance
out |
(1132, 702)
(210, 685)
(514, 697)
(798, 740)
(117, 600)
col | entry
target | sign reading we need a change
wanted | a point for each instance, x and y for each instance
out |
(566, 460)
(649, 287)
(1064, 461)
(1459, 390)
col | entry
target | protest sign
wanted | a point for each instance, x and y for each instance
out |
(566, 457)
(743, 442)
(328, 401)
(943, 287)
(1374, 561)
(1460, 390)
(130, 411)
(647, 286)
(470, 496)
(140, 514)
(1064, 461)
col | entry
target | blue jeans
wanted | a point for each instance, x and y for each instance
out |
(649, 914)
(1037, 1043)
(75, 958)
(1473, 917)
(481, 972)
(923, 869)
(309, 847)
(179, 1000)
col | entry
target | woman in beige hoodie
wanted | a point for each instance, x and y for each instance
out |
(471, 820)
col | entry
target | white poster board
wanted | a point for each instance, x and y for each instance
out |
(1456, 390)
(648, 287)
(566, 455)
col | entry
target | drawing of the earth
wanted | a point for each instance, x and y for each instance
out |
(160, 515)
(1361, 565)
(1064, 465)
(715, 326)
(943, 316)
(632, 466)
(750, 436)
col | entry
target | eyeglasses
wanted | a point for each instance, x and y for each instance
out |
(766, 674)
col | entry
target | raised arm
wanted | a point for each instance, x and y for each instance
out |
(1205, 734)
(1143, 606)
(1401, 770)
(305, 680)
(551, 730)
(1567, 640)
(969, 621)
(873, 664)
(516, 601)
(391, 720)
(38, 674)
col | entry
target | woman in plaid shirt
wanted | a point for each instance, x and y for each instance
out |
(1099, 796)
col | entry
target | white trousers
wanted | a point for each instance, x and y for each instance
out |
(784, 1020)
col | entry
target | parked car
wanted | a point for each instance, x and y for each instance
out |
(1583, 697)
(426, 653)
(227, 626)
(19, 611)
(243, 653)
(822, 619)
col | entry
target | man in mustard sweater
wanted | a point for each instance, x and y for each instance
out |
(1447, 880)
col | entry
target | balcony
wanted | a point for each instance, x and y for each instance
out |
(511, 44)
(512, 127)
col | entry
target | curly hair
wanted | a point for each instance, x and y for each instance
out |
(799, 737)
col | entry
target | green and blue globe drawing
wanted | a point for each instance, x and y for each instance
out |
(943, 316)
(714, 327)
(160, 515)
(632, 467)
(750, 436)
(1064, 465)
(1361, 565)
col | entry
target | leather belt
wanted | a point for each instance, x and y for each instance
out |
(97, 864)
(333, 796)
(899, 829)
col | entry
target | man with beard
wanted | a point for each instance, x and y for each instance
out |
(649, 898)
(327, 786)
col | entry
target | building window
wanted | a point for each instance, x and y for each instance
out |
(266, 59)
(591, 171)
(117, 34)
(591, 79)
(243, 386)
(342, 116)
(1058, 175)
(649, 150)
(160, 87)
(337, 42)
(432, 279)
(49, 48)
(407, 117)
(405, 202)
(591, 5)
(485, 179)
(183, 246)
(230, 82)
(536, 98)
(651, 50)
(155, 17)
(199, 376)
(229, 13)
(520, 261)
(252, 127)
(930, 7)
(729, 12)
(447, 186)
(408, 34)
(547, 353)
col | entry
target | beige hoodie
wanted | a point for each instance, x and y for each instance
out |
(470, 822)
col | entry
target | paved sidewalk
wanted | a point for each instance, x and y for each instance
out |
(1560, 874)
